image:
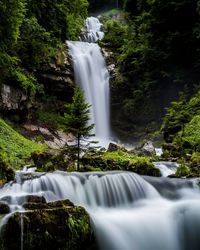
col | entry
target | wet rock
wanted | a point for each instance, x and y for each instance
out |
(58, 78)
(53, 159)
(59, 226)
(12, 98)
(114, 147)
(35, 199)
(147, 149)
(4, 208)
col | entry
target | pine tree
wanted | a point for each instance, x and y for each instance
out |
(77, 119)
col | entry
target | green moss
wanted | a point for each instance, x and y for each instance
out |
(17, 147)
(60, 225)
(120, 160)
(183, 171)
(88, 168)
(52, 119)
(189, 137)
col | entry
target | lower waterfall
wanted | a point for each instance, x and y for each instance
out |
(128, 211)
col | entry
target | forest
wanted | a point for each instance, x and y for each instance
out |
(99, 117)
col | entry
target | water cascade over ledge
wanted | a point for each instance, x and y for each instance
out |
(127, 211)
(93, 77)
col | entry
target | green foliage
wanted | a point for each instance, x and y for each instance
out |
(156, 52)
(6, 172)
(36, 46)
(32, 33)
(183, 171)
(117, 34)
(176, 116)
(77, 115)
(77, 119)
(51, 119)
(121, 160)
(189, 137)
(127, 159)
(61, 15)
(27, 81)
(17, 148)
(12, 13)
(179, 118)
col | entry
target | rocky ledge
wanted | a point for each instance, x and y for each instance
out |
(58, 225)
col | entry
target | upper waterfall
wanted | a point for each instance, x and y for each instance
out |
(93, 77)
(93, 30)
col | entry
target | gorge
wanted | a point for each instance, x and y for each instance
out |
(130, 63)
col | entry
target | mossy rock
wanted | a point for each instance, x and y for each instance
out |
(60, 225)
(121, 160)
(6, 172)
(51, 160)
(171, 151)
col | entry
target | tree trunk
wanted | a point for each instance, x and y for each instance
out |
(78, 156)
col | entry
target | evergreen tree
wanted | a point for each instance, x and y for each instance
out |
(77, 118)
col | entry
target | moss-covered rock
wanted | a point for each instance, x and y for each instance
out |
(120, 160)
(60, 225)
(183, 171)
(53, 159)
(6, 171)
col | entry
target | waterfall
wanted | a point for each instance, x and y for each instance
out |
(166, 167)
(128, 211)
(93, 77)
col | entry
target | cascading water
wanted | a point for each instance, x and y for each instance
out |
(128, 212)
(166, 167)
(93, 77)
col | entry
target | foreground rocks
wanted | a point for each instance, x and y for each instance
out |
(58, 225)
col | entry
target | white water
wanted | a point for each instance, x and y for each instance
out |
(159, 151)
(93, 30)
(166, 168)
(93, 77)
(127, 211)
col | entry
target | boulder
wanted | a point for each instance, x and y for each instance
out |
(147, 149)
(4, 208)
(114, 147)
(59, 225)
(12, 98)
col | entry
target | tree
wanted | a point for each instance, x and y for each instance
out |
(77, 119)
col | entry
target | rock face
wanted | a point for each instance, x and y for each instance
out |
(59, 225)
(146, 149)
(58, 79)
(114, 147)
(12, 98)
(51, 160)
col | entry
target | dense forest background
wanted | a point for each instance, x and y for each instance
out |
(155, 49)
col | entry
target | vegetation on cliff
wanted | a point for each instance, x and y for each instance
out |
(157, 52)
(31, 33)
(15, 149)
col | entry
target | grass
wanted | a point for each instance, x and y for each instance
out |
(52, 119)
(16, 146)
